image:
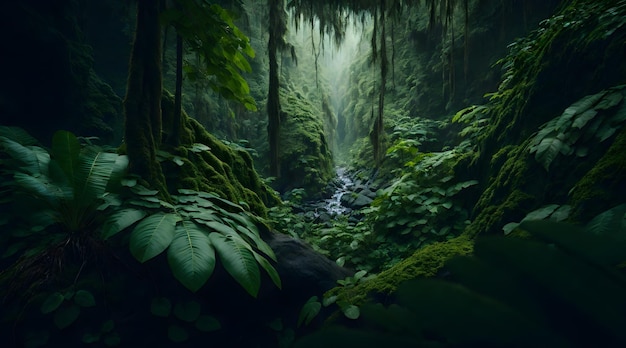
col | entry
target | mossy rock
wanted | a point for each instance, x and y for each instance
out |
(223, 170)
(603, 184)
(306, 159)
(425, 262)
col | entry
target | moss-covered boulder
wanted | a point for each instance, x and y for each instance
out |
(425, 262)
(214, 167)
(306, 159)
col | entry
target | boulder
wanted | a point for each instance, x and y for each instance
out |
(361, 201)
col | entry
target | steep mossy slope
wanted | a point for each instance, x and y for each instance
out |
(576, 53)
(306, 160)
(554, 135)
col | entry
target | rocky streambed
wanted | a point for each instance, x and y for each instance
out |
(348, 194)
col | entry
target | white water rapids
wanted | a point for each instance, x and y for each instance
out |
(333, 204)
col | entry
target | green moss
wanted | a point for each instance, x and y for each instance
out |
(306, 159)
(514, 183)
(604, 184)
(222, 170)
(515, 189)
(425, 262)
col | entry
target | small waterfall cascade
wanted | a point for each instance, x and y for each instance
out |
(333, 204)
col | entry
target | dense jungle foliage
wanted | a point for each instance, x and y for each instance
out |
(306, 173)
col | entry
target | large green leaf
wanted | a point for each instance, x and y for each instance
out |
(578, 108)
(582, 119)
(95, 170)
(309, 311)
(610, 100)
(610, 222)
(121, 220)
(153, 235)
(541, 213)
(267, 266)
(547, 151)
(65, 316)
(260, 243)
(117, 173)
(238, 261)
(66, 151)
(18, 135)
(24, 155)
(220, 227)
(52, 302)
(40, 187)
(191, 255)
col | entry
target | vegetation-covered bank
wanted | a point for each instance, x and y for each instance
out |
(547, 145)
(462, 160)
(96, 255)
(305, 152)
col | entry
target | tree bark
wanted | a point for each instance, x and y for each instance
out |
(379, 128)
(273, 101)
(174, 138)
(142, 105)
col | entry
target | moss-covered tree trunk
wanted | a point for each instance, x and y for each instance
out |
(273, 101)
(177, 122)
(378, 129)
(142, 105)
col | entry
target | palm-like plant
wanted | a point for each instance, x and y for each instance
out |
(51, 199)
(69, 183)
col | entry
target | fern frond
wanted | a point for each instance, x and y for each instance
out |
(94, 172)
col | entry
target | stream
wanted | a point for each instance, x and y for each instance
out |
(333, 205)
(348, 196)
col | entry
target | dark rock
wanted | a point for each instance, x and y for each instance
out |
(347, 199)
(367, 192)
(324, 217)
(361, 201)
(303, 271)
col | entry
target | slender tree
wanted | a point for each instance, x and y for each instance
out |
(332, 14)
(207, 29)
(273, 96)
(378, 131)
(276, 44)
(178, 95)
(142, 105)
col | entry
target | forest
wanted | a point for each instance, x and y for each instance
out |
(313, 173)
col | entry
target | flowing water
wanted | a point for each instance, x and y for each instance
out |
(333, 204)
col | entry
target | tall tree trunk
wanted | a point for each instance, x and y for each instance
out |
(273, 101)
(379, 128)
(174, 137)
(142, 106)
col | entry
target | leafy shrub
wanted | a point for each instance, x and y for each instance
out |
(193, 229)
(53, 196)
(568, 294)
(587, 120)
(420, 206)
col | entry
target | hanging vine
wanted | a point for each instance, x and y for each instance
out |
(334, 17)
